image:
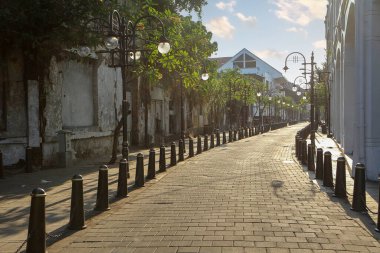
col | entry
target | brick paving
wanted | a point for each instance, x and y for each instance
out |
(247, 196)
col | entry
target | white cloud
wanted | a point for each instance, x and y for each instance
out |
(270, 53)
(300, 12)
(320, 44)
(226, 5)
(221, 27)
(297, 30)
(250, 20)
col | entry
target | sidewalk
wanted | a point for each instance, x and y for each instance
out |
(372, 188)
(250, 195)
(15, 195)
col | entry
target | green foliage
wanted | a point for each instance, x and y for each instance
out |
(190, 47)
(181, 5)
(43, 27)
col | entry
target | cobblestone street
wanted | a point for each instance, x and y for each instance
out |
(246, 196)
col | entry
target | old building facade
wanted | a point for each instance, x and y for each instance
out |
(353, 57)
(72, 114)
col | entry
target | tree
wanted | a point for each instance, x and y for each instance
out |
(43, 28)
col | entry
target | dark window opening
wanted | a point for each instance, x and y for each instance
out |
(171, 124)
(250, 64)
(3, 81)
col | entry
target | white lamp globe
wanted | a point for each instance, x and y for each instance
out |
(84, 51)
(111, 43)
(135, 55)
(205, 76)
(163, 47)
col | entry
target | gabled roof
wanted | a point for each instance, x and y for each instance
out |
(221, 60)
(224, 60)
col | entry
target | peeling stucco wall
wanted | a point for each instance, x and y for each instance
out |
(83, 96)
(13, 139)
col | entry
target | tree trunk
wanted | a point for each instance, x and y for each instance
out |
(115, 143)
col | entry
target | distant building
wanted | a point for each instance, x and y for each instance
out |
(250, 64)
(353, 58)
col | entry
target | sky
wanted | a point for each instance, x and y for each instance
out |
(271, 29)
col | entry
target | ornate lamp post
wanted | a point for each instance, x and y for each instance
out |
(327, 99)
(204, 77)
(124, 42)
(312, 109)
(260, 116)
(270, 110)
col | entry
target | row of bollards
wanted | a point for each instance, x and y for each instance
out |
(323, 171)
(36, 240)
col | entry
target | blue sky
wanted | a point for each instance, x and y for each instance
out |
(271, 29)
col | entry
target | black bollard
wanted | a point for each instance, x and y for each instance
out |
(235, 135)
(77, 204)
(224, 137)
(217, 138)
(102, 203)
(36, 240)
(377, 229)
(122, 188)
(299, 140)
(205, 145)
(304, 152)
(162, 161)
(310, 158)
(139, 179)
(229, 136)
(151, 164)
(296, 145)
(327, 170)
(246, 133)
(359, 196)
(319, 169)
(340, 179)
(181, 157)
(173, 155)
(191, 147)
(212, 140)
(199, 145)
(1, 165)
(28, 158)
(184, 146)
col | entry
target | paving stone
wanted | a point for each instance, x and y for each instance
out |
(246, 196)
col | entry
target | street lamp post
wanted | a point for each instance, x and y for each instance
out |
(182, 137)
(270, 111)
(125, 48)
(260, 116)
(312, 109)
(327, 100)
(204, 77)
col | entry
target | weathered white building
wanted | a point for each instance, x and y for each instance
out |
(72, 114)
(353, 57)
